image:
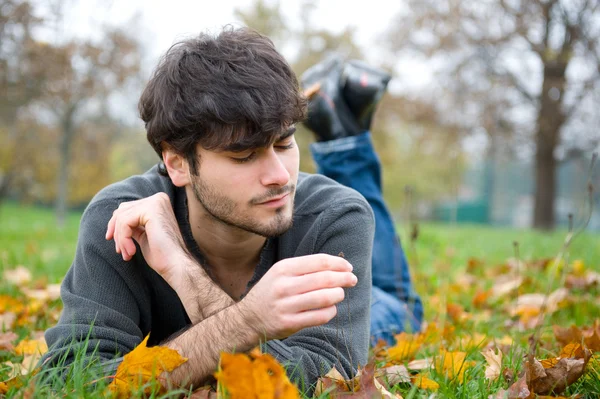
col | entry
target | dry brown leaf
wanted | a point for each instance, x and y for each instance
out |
(591, 337)
(554, 379)
(567, 335)
(363, 386)
(254, 376)
(420, 364)
(394, 375)
(6, 340)
(494, 363)
(50, 293)
(142, 365)
(7, 321)
(505, 285)
(456, 313)
(519, 390)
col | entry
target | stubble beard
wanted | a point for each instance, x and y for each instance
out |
(222, 209)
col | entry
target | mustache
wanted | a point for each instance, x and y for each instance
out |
(273, 193)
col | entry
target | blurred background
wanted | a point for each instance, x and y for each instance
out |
(492, 115)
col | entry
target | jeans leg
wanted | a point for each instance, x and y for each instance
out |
(352, 161)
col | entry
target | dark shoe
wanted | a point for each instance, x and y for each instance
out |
(363, 86)
(329, 117)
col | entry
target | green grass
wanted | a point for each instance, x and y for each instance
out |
(438, 258)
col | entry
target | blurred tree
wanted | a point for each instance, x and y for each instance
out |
(413, 143)
(510, 66)
(81, 78)
(21, 77)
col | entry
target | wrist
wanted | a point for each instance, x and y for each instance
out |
(249, 323)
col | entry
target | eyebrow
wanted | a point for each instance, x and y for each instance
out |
(239, 147)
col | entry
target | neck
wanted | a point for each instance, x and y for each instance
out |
(226, 248)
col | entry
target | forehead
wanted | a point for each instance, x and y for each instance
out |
(248, 142)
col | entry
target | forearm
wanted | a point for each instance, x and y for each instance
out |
(200, 295)
(228, 330)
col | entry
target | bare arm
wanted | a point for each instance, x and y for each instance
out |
(152, 224)
(294, 294)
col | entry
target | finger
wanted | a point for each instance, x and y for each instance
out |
(317, 262)
(110, 229)
(319, 280)
(315, 317)
(314, 300)
(125, 240)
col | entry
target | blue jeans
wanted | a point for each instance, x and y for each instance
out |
(395, 306)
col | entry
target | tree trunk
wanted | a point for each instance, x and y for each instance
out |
(550, 119)
(62, 181)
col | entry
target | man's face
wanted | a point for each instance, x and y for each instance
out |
(252, 190)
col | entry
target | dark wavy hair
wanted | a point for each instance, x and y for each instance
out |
(218, 91)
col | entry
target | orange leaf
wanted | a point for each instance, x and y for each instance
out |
(258, 376)
(141, 366)
(406, 347)
(425, 382)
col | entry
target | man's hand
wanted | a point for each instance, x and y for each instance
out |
(151, 222)
(297, 293)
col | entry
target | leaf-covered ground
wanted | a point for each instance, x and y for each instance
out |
(500, 306)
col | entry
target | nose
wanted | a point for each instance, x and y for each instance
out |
(274, 171)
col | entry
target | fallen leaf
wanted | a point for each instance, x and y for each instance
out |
(254, 376)
(494, 363)
(506, 285)
(7, 320)
(420, 364)
(456, 313)
(32, 347)
(7, 339)
(519, 390)
(142, 365)
(424, 382)
(406, 347)
(394, 375)
(452, 364)
(567, 335)
(555, 379)
(481, 298)
(18, 276)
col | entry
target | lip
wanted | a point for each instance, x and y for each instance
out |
(276, 202)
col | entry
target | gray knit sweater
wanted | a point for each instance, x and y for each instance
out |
(118, 303)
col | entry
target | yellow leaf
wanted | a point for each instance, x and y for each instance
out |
(406, 347)
(578, 267)
(258, 376)
(3, 388)
(452, 364)
(141, 366)
(425, 382)
(32, 347)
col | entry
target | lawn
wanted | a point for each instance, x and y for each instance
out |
(457, 269)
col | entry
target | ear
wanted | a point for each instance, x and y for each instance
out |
(177, 167)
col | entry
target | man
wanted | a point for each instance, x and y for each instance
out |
(231, 246)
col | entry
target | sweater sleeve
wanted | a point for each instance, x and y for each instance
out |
(344, 341)
(101, 294)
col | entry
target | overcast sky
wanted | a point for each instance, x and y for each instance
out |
(161, 23)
